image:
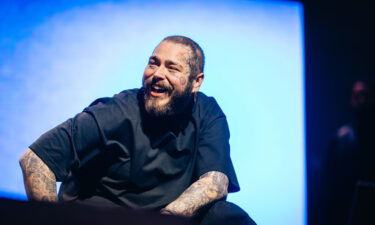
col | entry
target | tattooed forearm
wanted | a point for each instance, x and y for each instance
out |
(40, 182)
(211, 186)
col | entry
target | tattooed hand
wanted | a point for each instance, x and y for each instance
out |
(211, 186)
(40, 182)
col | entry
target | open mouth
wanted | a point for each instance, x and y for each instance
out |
(157, 90)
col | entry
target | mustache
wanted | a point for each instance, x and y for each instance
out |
(161, 84)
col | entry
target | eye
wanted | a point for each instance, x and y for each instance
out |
(173, 68)
(153, 61)
(152, 64)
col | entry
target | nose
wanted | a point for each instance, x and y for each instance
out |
(160, 73)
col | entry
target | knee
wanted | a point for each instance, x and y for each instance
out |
(223, 212)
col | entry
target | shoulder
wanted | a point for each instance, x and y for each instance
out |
(207, 110)
(122, 105)
(126, 96)
(207, 104)
(123, 100)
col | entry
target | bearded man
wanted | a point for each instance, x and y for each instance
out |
(162, 147)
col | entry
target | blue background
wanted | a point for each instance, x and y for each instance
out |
(57, 57)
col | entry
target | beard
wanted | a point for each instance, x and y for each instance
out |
(171, 104)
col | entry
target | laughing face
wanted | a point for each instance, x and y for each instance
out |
(166, 80)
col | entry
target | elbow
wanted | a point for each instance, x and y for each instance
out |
(223, 186)
(22, 160)
(222, 191)
(219, 190)
(217, 183)
(225, 194)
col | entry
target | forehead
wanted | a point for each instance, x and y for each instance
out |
(175, 52)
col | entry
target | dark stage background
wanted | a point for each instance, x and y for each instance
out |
(339, 44)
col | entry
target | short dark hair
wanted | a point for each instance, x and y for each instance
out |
(196, 59)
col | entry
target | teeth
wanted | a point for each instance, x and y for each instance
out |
(158, 89)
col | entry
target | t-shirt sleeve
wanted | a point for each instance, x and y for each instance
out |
(214, 150)
(59, 148)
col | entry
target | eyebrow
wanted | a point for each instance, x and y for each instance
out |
(154, 58)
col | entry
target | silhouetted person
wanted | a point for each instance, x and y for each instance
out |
(351, 155)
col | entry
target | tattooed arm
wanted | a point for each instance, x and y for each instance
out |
(40, 182)
(209, 187)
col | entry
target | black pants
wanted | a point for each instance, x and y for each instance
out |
(225, 213)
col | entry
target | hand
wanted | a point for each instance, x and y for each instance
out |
(165, 211)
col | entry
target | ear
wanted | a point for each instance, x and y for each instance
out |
(197, 82)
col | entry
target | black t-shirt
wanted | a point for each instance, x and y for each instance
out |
(114, 153)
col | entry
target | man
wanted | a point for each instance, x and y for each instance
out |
(164, 146)
(350, 157)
